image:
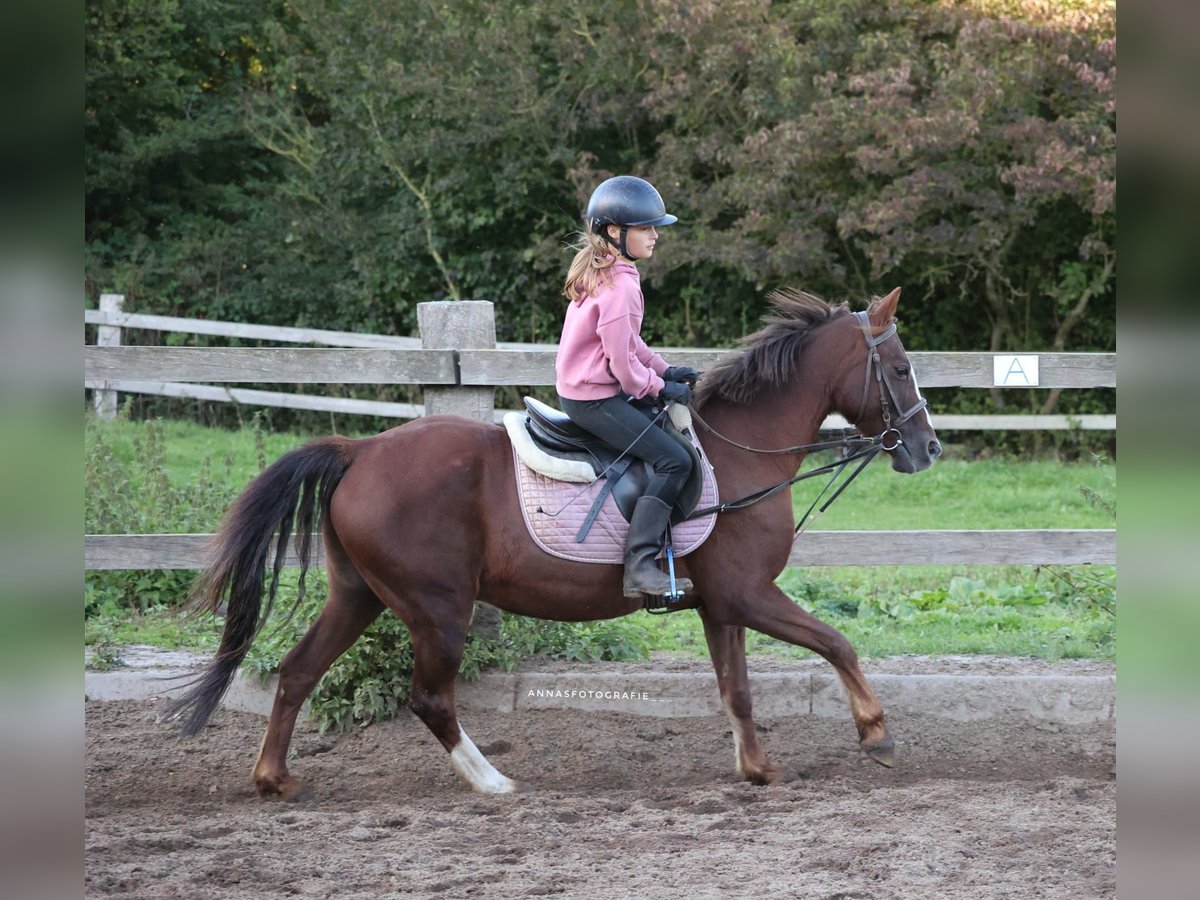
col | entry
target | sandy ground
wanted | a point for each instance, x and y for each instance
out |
(624, 806)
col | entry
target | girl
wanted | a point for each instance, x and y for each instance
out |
(604, 367)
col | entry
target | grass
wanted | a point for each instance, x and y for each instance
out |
(994, 493)
(1052, 612)
(188, 448)
(1048, 612)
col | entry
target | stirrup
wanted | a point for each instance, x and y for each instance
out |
(661, 604)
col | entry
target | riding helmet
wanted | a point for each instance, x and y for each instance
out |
(628, 201)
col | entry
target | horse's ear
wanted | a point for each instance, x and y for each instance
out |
(882, 311)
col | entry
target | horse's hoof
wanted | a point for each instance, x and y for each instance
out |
(289, 790)
(772, 775)
(882, 751)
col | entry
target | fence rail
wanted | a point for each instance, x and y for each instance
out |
(249, 332)
(1057, 370)
(462, 380)
(814, 548)
(488, 368)
(286, 365)
(175, 372)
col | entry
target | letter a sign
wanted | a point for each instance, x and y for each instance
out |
(1015, 371)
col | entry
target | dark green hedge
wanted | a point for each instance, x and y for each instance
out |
(334, 164)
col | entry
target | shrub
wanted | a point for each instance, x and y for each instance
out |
(371, 681)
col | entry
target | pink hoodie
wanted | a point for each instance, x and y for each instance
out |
(601, 352)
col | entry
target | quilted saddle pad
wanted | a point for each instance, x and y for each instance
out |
(555, 510)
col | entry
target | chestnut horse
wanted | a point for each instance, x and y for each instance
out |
(423, 520)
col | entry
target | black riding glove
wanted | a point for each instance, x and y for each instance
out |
(676, 392)
(682, 373)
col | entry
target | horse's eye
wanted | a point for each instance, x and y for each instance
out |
(902, 371)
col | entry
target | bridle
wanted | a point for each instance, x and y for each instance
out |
(881, 377)
(867, 448)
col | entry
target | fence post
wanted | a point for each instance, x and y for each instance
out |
(105, 401)
(458, 325)
(462, 325)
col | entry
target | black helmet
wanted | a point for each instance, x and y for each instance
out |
(625, 200)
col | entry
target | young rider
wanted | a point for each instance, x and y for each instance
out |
(604, 366)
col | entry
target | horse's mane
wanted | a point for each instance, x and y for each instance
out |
(770, 354)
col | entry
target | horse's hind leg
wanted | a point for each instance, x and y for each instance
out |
(437, 654)
(351, 607)
(772, 612)
(727, 647)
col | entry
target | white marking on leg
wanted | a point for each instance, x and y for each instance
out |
(473, 768)
(737, 739)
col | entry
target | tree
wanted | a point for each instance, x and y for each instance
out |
(967, 151)
(335, 164)
(175, 186)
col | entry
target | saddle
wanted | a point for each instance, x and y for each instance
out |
(626, 477)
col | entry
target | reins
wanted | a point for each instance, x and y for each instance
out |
(866, 454)
(873, 445)
(850, 436)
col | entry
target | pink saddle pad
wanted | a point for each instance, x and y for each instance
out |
(554, 511)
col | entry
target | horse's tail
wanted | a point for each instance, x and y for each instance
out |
(297, 487)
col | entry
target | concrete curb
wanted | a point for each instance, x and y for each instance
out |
(1068, 700)
(1063, 699)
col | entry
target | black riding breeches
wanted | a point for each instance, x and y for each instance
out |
(620, 424)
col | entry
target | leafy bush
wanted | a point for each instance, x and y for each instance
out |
(371, 681)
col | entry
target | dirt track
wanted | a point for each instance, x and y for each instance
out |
(624, 807)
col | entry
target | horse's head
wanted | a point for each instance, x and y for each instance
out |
(878, 392)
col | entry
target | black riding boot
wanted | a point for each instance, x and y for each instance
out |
(642, 574)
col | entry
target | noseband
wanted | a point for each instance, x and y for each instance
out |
(874, 363)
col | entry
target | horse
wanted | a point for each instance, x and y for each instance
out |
(423, 520)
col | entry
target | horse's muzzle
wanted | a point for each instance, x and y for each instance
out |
(909, 463)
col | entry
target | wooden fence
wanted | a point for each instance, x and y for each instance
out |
(459, 364)
(174, 372)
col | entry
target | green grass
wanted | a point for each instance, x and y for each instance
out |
(1048, 612)
(1051, 612)
(994, 493)
(188, 448)
(181, 476)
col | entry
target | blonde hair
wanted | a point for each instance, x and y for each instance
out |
(587, 272)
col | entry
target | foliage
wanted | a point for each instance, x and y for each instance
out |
(335, 164)
(372, 680)
(100, 636)
(180, 198)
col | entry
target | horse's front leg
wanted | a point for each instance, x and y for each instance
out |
(727, 647)
(770, 611)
